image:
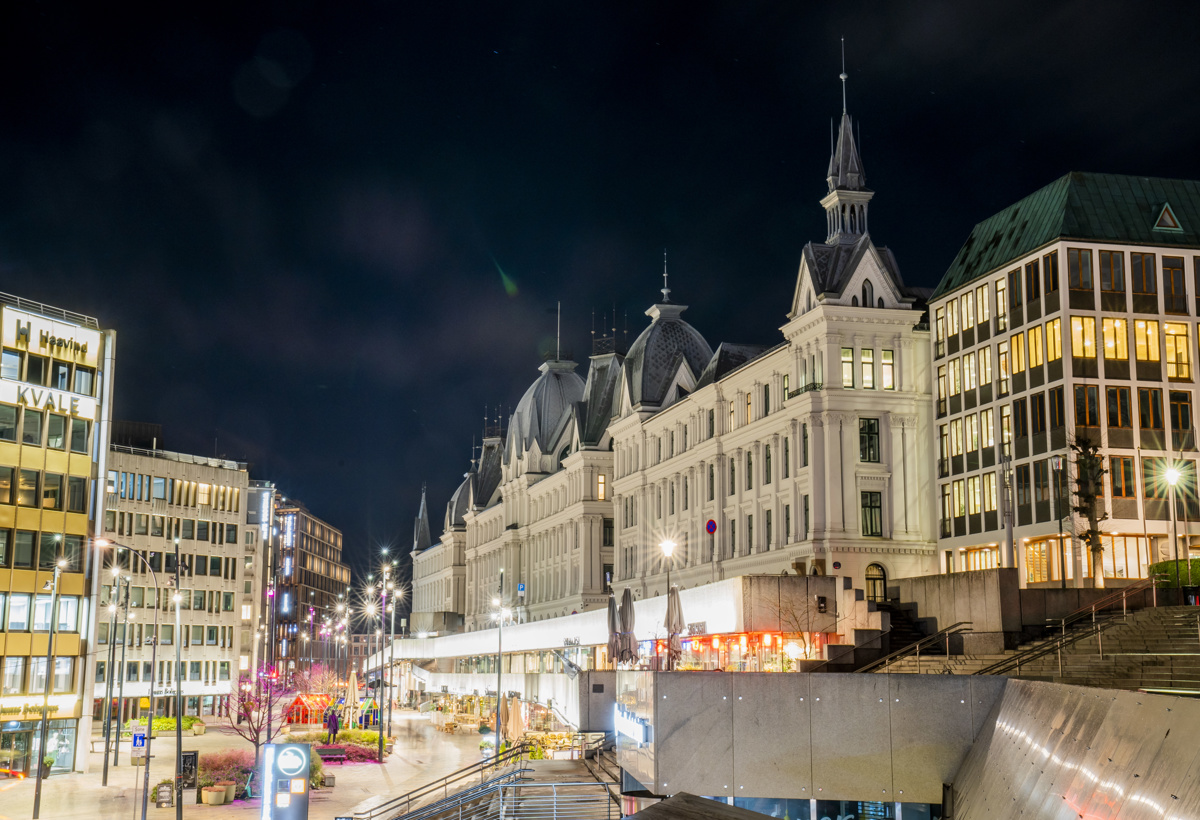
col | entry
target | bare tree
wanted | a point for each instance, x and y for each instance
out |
(257, 713)
(1089, 497)
(320, 679)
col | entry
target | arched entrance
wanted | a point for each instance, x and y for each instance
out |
(876, 583)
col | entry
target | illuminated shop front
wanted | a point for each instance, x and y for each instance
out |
(1124, 557)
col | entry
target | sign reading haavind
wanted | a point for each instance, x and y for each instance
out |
(47, 337)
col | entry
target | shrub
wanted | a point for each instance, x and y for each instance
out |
(227, 764)
(1190, 572)
(359, 736)
(316, 771)
(361, 754)
(164, 724)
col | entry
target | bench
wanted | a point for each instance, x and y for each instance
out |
(331, 753)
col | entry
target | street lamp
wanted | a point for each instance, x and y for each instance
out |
(499, 614)
(114, 596)
(1057, 463)
(59, 566)
(668, 549)
(1173, 475)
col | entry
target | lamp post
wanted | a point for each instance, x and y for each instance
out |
(1057, 462)
(121, 680)
(178, 599)
(112, 656)
(500, 614)
(668, 549)
(59, 565)
(1172, 475)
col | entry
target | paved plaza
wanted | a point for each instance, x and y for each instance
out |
(421, 755)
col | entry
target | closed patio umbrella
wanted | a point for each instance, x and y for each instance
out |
(503, 707)
(514, 727)
(675, 626)
(629, 644)
(614, 631)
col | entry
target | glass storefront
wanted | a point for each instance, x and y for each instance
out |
(1124, 556)
(19, 741)
(835, 809)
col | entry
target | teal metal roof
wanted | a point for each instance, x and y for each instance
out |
(1087, 207)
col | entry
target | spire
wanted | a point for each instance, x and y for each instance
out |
(846, 203)
(421, 539)
(666, 291)
(845, 165)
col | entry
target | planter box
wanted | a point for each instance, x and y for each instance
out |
(212, 796)
(198, 729)
(327, 781)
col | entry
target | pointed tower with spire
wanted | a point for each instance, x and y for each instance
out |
(421, 538)
(846, 203)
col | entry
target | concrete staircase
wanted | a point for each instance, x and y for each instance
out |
(1152, 649)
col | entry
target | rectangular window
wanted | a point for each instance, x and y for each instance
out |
(987, 431)
(1054, 340)
(943, 385)
(983, 311)
(959, 498)
(1112, 271)
(939, 325)
(1037, 353)
(1087, 405)
(989, 492)
(985, 365)
(1033, 287)
(1001, 305)
(952, 316)
(1178, 359)
(1120, 473)
(868, 440)
(974, 495)
(848, 367)
(1020, 419)
(1024, 496)
(1181, 414)
(1002, 360)
(1037, 413)
(955, 377)
(1018, 353)
(1014, 287)
(56, 432)
(804, 445)
(31, 429)
(1041, 481)
(1006, 428)
(1050, 270)
(967, 303)
(972, 432)
(1083, 337)
(1150, 412)
(6, 495)
(1119, 411)
(749, 471)
(872, 514)
(712, 482)
(787, 457)
(1145, 340)
(76, 494)
(1153, 483)
(970, 377)
(28, 488)
(52, 492)
(1174, 292)
(1057, 413)
(1141, 273)
(867, 357)
(956, 437)
(1116, 339)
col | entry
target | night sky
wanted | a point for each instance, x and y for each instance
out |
(331, 236)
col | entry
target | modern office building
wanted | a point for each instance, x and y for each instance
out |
(1071, 315)
(308, 578)
(161, 504)
(56, 377)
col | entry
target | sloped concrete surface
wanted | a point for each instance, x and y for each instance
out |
(1055, 751)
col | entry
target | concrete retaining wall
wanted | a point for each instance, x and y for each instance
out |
(1053, 751)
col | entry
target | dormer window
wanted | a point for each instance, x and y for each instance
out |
(868, 293)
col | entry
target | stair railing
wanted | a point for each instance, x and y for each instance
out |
(404, 803)
(942, 635)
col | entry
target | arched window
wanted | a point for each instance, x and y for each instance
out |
(880, 305)
(854, 301)
(876, 583)
(868, 293)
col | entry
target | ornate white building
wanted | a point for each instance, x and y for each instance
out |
(811, 455)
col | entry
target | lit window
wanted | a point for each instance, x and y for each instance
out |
(888, 374)
(1054, 340)
(1036, 349)
(1178, 361)
(1145, 340)
(1018, 353)
(848, 367)
(1116, 341)
(600, 487)
(868, 369)
(1083, 337)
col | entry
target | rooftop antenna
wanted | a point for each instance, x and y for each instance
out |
(666, 291)
(843, 76)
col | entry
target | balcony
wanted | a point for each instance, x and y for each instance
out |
(805, 389)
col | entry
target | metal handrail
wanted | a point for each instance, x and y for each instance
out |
(942, 634)
(553, 806)
(507, 757)
(1055, 644)
(460, 798)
